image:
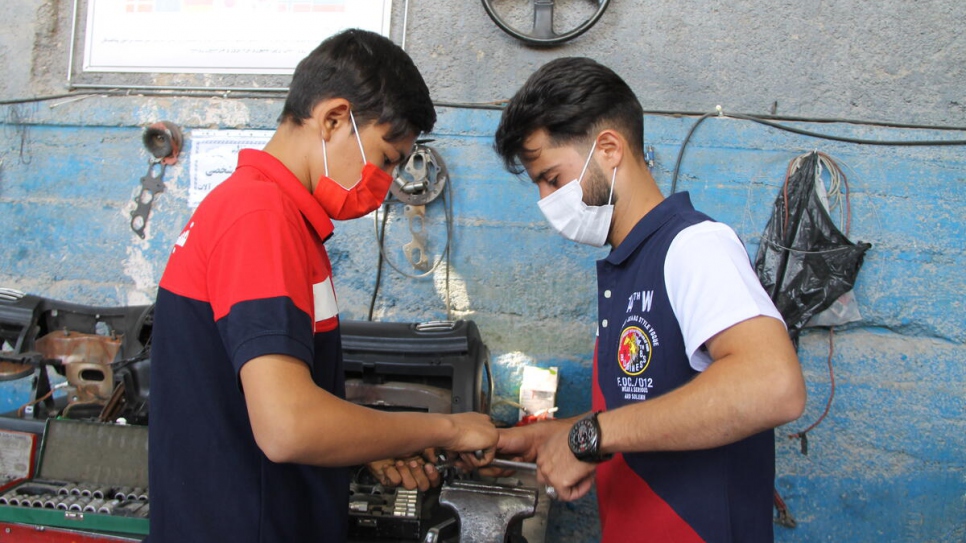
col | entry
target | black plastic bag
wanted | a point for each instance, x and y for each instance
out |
(804, 261)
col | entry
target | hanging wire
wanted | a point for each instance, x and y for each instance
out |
(839, 197)
(379, 239)
(803, 435)
(799, 131)
(380, 235)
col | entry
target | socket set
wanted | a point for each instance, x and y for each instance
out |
(89, 476)
(106, 500)
(378, 512)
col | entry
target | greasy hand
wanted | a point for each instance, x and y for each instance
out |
(411, 472)
(558, 467)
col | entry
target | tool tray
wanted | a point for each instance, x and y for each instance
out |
(89, 476)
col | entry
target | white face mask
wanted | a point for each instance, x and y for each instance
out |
(568, 214)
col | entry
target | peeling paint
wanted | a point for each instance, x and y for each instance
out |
(140, 270)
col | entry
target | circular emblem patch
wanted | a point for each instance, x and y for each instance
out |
(634, 353)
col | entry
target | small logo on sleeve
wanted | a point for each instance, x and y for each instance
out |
(183, 237)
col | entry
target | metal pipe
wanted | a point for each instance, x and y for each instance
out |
(102, 492)
(108, 508)
(121, 493)
(512, 464)
(135, 493)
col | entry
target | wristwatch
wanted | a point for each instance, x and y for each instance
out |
(585, 440)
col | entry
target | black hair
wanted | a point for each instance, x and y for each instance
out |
(570, 98)
(374, 74)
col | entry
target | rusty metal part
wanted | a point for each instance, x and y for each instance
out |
(486, 510)
(86, 359)
(112, 409)
(10, 371)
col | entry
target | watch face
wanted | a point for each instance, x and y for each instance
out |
(583, 437)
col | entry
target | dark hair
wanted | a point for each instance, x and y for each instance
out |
(571, 98)
(370, 71)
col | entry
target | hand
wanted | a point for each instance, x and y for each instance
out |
(521, 442)
(411, 472)
(558, 467)
(473, 432)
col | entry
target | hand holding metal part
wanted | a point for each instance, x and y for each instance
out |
(413, 472)
(444, 463)
(447, 466)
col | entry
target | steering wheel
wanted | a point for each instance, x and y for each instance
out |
(542, 33)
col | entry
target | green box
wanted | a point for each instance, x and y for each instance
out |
(89, 455)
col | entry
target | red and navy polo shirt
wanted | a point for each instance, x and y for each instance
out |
(722, 494)
(249, 276)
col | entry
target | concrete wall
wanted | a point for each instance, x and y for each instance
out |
(887, 463)
(894, 62)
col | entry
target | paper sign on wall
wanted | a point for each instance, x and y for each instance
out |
(214, 155)
(218, 36)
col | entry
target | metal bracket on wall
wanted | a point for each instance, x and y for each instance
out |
(418, 182)
(163, 140)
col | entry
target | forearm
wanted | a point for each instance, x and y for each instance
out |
(739, 395)
(692, 417)
(348, 434)
(293, 420)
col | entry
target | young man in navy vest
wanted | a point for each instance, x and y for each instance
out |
(250, 435)
(693, 366)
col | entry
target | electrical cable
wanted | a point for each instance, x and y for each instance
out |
(845, 139)
(23, 408)
(838, 195)
(406, 274)
(684, 144)
(446, 194)
(803, 435)
(448, 201)
(379, 259)
(274, 93)
(760, 120)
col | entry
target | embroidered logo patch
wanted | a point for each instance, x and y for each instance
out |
(634, 353)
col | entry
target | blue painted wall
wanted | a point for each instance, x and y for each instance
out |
(886, 465)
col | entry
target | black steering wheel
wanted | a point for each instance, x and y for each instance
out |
(542, 33)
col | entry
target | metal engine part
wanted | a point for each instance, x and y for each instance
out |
(86, 359)
(422, 178)
(163, 140)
